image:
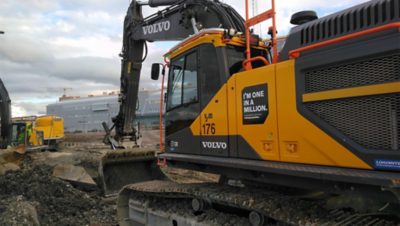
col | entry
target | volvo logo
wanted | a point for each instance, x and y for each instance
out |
(214, 145)
(157, 27)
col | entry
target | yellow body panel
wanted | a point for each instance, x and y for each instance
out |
(300, 140)
(51, 126)
(213, 38)
(386, 88)
(261, 137)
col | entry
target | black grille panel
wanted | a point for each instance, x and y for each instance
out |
(373, 71)
(350, 21)
(373, 121)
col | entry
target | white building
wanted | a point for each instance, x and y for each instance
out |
(87, 114)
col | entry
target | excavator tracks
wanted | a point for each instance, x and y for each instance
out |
(159, 201)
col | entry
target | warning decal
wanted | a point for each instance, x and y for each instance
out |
(255, 104)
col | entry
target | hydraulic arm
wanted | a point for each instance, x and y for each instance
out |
(176, 22)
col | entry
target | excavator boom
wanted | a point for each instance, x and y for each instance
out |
(178, 21)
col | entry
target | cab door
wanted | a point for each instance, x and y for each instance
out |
(183, 105)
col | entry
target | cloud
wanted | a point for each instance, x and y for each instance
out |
(51, 45)
(22, 50)
(285, 9)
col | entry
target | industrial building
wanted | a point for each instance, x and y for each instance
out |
(86, 114)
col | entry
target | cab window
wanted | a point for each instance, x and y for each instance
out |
(175, 83)
(182, 84)
(190, 79)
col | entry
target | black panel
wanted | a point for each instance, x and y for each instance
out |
(214, 145)
(182, 141)
(255, 104)
(245, 151)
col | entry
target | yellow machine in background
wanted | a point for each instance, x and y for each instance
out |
(31, 133)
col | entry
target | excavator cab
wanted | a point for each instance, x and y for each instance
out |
(18, 134)
(21, 134)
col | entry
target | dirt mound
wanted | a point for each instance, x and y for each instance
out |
(19, 212)
(58, 203)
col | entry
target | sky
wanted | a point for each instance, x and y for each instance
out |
(52, 45)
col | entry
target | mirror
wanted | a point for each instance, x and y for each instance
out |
(155, 71)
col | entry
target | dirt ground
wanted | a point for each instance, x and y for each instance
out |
(31, 195)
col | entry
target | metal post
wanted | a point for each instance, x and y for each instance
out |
(247, 27)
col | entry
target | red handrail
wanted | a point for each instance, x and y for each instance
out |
(257, 58)
(296, 53)
(162, 104)
(269, 14)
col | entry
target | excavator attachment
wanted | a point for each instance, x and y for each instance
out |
(121, 167)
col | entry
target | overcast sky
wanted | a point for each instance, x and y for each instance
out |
(50, 45)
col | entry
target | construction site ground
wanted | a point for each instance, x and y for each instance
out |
(31, 195)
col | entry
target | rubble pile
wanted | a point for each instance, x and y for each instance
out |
(32, 196)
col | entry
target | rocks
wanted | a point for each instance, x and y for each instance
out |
(9, 161)
(8, 167)
(76, 175)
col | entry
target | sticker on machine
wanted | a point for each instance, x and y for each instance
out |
(255, 104)
(387, 164)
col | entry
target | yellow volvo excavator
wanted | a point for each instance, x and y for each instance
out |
(320, 113)
(36, 133)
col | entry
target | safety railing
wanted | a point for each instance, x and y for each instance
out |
(269, 14)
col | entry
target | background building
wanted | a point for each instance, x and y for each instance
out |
(86, 114)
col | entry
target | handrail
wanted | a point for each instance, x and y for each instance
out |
(269, 14)
(296, 52)
(257, 58)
